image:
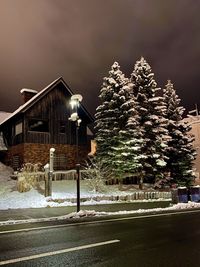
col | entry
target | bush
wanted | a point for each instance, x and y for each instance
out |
(96, 174)
(27, 178)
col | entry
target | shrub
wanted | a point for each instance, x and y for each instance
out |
(96, 174)
(27, 178)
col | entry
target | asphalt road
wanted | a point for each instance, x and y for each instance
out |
(157, 240)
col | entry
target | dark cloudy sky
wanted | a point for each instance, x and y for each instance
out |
(41, 40)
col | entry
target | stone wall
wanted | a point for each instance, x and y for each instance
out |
(134, 196)
(13, 153)
(39, 153)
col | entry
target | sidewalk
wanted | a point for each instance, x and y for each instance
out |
(36, 213)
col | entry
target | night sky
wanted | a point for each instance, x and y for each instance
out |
(79, 40)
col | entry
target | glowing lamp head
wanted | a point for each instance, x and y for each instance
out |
(74, 117)
(75, 100)
(73, 103)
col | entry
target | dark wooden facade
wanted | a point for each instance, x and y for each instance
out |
(45, 120)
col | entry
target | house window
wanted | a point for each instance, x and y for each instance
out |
(38, 125)
(60, 162)
(18, 128)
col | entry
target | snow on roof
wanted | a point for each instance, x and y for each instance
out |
(4, 115)
(28, 90)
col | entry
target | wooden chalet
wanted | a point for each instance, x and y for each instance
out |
(43, 122)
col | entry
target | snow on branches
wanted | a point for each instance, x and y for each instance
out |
(180, 152)
(139, 130)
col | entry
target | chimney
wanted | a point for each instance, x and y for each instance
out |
(27, 94)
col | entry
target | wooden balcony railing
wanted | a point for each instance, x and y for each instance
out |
(38, 137)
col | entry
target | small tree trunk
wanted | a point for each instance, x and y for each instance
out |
(141, 178)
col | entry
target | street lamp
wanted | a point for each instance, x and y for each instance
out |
(75, 103)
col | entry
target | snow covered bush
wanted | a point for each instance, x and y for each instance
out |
(22, 184)
(28, 177)
(96, 174)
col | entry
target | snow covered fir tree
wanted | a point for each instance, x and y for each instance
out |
(109, 117)
(140, 130)
(118, 135)
(151, 110)
(126, 152)
(180, 152)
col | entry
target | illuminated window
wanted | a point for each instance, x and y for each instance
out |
(18, 128)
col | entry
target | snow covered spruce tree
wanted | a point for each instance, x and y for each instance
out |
(180, 151)
(151, 111)
(126, 152)
(108, 115)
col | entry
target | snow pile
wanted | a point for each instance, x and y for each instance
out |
(73, 215)
(16, 200)
(82, 213)
(189, 205)
(93, 213)
(10, 198)
(179, 206)
(6, 183)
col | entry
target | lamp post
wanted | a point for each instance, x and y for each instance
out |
(75, 102)
(51, 161)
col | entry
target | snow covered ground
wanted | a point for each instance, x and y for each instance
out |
(62, 190)
(10, 198)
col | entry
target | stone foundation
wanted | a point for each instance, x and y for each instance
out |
(39, 153)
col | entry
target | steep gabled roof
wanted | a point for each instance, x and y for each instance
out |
(38, 96)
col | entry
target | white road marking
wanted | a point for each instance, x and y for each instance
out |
(99, 221)
(32, 257)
